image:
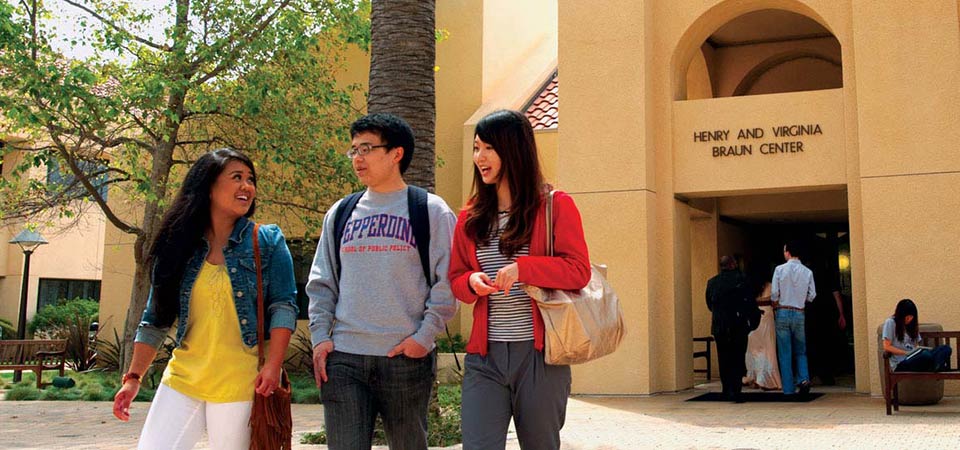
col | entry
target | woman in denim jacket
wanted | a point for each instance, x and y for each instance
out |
(204, 275)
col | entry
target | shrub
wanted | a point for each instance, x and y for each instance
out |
(7, 330)
(50, 318)
(451, 344)
(110, 354)
(304, 389)
(21, 392)
(301, 354)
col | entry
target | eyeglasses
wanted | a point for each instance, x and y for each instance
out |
(363, 150)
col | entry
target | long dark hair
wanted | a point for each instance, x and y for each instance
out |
(905, 308)
(182, 229)
(511, 136)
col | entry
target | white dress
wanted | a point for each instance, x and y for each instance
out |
(761, 357)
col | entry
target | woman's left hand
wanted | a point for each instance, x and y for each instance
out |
(506, 276)
(268, 379)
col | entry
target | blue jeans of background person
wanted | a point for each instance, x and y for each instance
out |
(791, 349)
(359, 387)
(927, 360)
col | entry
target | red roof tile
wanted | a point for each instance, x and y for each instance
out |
(543, 110)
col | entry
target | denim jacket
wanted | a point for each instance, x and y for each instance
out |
(279, 286)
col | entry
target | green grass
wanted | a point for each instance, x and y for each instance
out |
(99, 386)
(93, 386)
(305, 390)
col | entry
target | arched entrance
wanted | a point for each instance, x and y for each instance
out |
(759, 156)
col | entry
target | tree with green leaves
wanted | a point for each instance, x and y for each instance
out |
(403, 39)
(254, 75)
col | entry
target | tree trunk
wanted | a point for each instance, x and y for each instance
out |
(152, 215)
(402, 58)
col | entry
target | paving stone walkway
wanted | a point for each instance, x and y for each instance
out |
(836, 420)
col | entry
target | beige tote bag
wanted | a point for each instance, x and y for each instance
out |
(582, 325)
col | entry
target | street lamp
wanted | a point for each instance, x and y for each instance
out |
(28, 242)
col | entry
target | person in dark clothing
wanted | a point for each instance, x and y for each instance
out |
(726, 296)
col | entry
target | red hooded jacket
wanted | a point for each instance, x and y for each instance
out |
(568, 269)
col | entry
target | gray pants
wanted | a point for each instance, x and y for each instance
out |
(512, 380)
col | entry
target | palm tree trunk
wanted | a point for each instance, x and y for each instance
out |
(402, 59)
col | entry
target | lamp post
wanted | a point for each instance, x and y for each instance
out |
(28, 242)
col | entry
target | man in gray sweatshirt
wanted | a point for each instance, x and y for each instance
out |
(374, 319)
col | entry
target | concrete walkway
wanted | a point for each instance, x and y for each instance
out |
(836, 420)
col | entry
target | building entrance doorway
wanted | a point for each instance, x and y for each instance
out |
(754, 228)
(824, 247)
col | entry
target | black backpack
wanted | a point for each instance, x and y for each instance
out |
(419, 222)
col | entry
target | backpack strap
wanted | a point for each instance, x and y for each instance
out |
(420, 222)
(340, 218)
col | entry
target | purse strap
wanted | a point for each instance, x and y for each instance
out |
(549, 219)
(256, 258)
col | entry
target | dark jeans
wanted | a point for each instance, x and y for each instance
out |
(360, 386)
(927, 360)
(731, 354)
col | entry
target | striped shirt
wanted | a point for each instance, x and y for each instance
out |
(510, 316)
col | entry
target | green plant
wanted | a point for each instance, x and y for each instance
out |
(304, 389)
(164, 353)
(51, 318)
(21, 392)
(110, 357)
(318, 438)
(109, 353)
(7, 331)
(81, 353)
(443, 420)
(451, 344)
(301, 354)
(94, 385)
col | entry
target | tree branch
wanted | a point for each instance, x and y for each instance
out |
(226, 61)
(93, 191)
(214, 140)
(118, 28)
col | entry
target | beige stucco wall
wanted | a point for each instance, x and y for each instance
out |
(519, 40)
(604, 156)
(814, 161)
(737, 62)
(908, 105)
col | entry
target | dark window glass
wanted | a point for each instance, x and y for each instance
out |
(61, 177)
(52, 290)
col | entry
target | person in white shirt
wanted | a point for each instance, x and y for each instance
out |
(791, 289)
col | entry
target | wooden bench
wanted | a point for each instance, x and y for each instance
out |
(34, 354)
(891, 394)
(704, 354)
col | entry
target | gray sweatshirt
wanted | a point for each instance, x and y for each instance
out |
(381, 297)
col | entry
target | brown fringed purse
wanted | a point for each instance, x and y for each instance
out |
(271, 424)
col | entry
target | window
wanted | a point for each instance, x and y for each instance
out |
(52, 290)
(302, 251)
(62, 178)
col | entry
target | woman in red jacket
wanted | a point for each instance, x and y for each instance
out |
(499, 244)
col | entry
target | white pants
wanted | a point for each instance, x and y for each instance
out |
(176, 421)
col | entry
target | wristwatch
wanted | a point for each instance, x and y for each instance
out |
(129, 376)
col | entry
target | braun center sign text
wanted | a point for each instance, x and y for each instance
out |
(781, 139)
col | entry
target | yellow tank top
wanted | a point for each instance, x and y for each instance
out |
(212, 363)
